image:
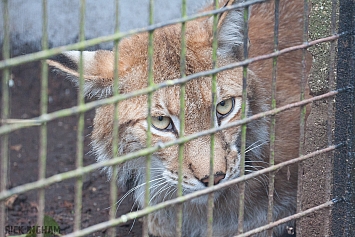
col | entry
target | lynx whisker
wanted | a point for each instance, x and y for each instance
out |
(159, 192)
(169, 191)
(119, 202)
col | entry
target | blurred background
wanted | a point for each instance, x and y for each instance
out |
(64, 18)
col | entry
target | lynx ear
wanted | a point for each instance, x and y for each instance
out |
(98, 70)
(231, 31)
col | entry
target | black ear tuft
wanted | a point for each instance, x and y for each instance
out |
(65, 61)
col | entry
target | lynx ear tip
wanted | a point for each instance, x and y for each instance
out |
(63, 59)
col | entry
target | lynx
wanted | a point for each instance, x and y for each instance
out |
(165, 125)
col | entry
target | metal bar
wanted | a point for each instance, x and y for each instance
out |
(241, 187)
(103, 39)
(111, 100)
(210, 200)
(115, 132)
(149, 118)
(19, 121)
(77, 109)
(150, 209)
(182, 119)
(289, 218)
(271, 187)
(5, 112)
(87, 169)
(143, 152)
(343, 217)
(80, 125)
(44, 109)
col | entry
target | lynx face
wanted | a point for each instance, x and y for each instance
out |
(165, 112)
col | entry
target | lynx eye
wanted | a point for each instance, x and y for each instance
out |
(161, 122)
(225, 107)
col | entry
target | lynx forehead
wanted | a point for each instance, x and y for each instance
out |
(165, 112)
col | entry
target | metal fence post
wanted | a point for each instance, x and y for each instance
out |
(343, 217)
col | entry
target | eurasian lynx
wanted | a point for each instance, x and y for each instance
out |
(133, 71)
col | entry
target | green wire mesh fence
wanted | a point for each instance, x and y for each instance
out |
(339, 188)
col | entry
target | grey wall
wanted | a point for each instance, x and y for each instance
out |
(63, 19)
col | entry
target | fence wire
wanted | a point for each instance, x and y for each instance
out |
(342, 146)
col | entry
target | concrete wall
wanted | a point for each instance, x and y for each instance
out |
(63, 19)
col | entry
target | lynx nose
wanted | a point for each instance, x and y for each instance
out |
(216, 180)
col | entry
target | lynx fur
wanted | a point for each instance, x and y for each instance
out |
(133, 74)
